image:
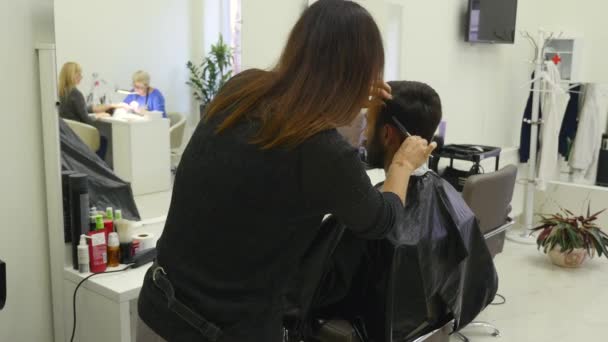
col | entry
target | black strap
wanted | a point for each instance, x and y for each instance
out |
(206, 328)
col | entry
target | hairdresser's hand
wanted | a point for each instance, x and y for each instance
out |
(379, 92)
(413, 153)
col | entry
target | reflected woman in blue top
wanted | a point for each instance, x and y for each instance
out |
(145, 98)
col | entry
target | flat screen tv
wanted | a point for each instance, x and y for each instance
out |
(491, 21)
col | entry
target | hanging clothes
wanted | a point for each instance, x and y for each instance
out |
(591, 126)
(554, 100)
(526, 128)
(569, 124)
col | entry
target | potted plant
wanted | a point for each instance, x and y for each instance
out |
(568, 239)
(207, 78)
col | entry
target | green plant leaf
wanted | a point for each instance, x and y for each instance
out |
(600, 246)
(213, 72)
(572, 239)
(553, 242)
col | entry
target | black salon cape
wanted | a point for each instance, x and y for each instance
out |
(106, 189)
(433, 268)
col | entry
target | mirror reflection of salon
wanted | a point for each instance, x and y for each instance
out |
(73, 105)
(143, 97)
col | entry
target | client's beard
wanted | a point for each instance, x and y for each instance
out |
(375, 153)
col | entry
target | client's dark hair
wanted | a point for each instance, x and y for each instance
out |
(416, 105)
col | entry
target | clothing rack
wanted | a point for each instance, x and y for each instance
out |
(525, 235)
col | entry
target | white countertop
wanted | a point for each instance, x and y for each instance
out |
(126, 119)
(123, 286)
(118, 287)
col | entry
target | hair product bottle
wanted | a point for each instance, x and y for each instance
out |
(79, 211)
(83, 255)
(113, 250)
(98, 250)
(65, 196)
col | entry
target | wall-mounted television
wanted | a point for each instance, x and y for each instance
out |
(491, 21)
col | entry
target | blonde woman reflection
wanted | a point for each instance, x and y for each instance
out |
(144, 97)
(72, 105)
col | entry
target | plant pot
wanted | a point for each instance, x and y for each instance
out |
(573, 259)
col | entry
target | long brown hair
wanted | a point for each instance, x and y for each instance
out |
(333, 57)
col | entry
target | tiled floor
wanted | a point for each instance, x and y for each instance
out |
(546, 303)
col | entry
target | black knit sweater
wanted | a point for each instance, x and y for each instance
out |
(241, 219)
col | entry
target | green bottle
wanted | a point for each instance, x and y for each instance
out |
(109, 214)
(99, 222)
(117, 215)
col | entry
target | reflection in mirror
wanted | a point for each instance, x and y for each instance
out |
(123, 93)
(127, 104)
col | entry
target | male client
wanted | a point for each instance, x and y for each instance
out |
(434, 267)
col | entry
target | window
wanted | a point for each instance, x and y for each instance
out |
(223, 17)
(235, 21)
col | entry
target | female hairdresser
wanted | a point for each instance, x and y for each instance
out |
(145, 98)
(72, 105)
(258, 176)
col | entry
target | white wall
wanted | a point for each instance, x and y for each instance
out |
(480, 85)
(266, 25)
(24, 241)
(115, 38)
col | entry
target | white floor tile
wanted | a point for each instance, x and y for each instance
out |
(546, 303)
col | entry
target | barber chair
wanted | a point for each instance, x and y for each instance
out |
(304, 291)
(87, 133)
(489, 197)
(176, 134)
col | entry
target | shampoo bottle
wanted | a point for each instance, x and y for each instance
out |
(98, 250)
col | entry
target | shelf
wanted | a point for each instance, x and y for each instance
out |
(580, 186)
(559, 52)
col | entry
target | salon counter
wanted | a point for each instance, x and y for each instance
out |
(139, 152)
(106, 305)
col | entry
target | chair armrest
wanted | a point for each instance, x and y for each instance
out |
(500, 229)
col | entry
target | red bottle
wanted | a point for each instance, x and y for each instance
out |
(98, 248)
(108, 227)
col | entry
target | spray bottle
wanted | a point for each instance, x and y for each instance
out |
(83, 255)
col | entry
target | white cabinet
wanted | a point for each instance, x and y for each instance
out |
(569, 51)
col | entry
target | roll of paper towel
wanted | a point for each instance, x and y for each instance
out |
(146, 240)
(125, 230)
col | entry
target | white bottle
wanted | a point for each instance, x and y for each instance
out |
(83, 255)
